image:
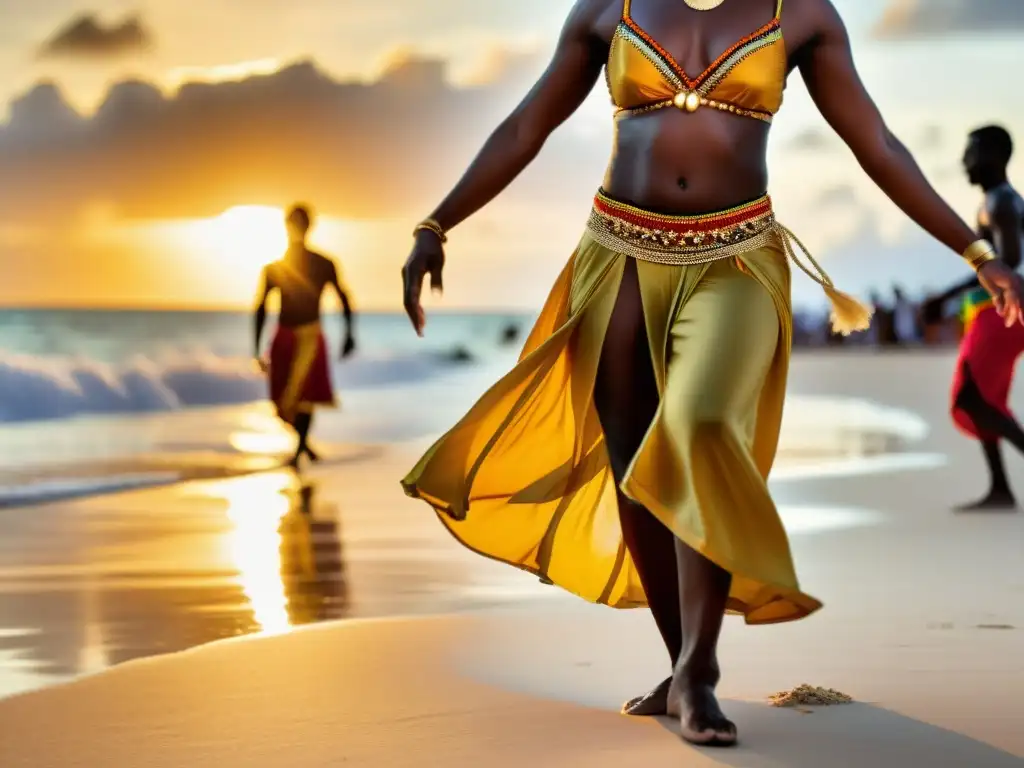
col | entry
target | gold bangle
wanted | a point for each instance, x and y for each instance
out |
(979, 253)
(432, 226)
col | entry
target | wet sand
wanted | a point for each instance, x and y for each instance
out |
(923, 613)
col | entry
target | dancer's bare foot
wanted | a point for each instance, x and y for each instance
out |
(651, 704)
(995, 501)
(701, 720)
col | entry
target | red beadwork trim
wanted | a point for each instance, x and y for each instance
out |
(693, 84)
(769, 27)
(684, 224)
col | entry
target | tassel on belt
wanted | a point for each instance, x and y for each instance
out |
(700, 239)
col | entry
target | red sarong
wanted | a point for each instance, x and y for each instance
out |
(300, 377)
(990, 350)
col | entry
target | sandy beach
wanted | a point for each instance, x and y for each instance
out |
(202, 229)
(424, 654)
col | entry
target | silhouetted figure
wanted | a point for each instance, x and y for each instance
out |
(885, 329)
(988, 350)
(904, 314)
(299, 372)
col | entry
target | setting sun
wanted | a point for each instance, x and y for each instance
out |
(248, 235)
(217, 260)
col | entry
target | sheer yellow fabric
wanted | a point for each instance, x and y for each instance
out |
(524, 478)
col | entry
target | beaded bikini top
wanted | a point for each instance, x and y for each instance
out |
(747, 79)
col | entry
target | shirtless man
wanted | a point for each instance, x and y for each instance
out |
(299, 373)
(989, 350)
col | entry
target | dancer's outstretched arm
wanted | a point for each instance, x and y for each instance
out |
(568, 80)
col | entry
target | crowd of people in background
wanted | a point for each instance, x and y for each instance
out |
(899, 321)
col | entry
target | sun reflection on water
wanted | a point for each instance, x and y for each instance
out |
(255, 507)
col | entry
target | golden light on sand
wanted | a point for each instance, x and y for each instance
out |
(256, 506)
(262, 443)
(261, 433)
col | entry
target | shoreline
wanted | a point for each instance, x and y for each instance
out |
(206, 442)
(95, 480)
(477, 661)
(87, 480)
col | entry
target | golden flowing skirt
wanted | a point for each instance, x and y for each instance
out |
(524, 477)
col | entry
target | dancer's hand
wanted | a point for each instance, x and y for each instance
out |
(261, 365)
(427, 257)
(1006, 288)
(348, 347)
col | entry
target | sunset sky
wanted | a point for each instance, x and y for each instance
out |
(129, 129)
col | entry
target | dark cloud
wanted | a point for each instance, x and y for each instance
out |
(85, 36)
(353, 148)
(908, 19)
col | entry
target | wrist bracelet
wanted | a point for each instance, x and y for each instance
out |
(431, 225)
(979, 253)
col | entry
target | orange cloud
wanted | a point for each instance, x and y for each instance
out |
(356, 149)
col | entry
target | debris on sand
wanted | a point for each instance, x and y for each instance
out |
(809, 696)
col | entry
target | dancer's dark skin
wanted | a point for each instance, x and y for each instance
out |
(683, 163)
(1001, 222)
(301, 276)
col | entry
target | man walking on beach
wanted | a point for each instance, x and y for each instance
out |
(989, 349)
(299, 373)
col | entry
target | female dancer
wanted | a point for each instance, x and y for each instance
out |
(625, 457)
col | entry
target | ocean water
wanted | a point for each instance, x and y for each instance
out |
(94, 401)
(46, 343)
(100, 389)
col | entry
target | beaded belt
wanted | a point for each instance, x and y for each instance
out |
(690, 240)
(682, 240)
